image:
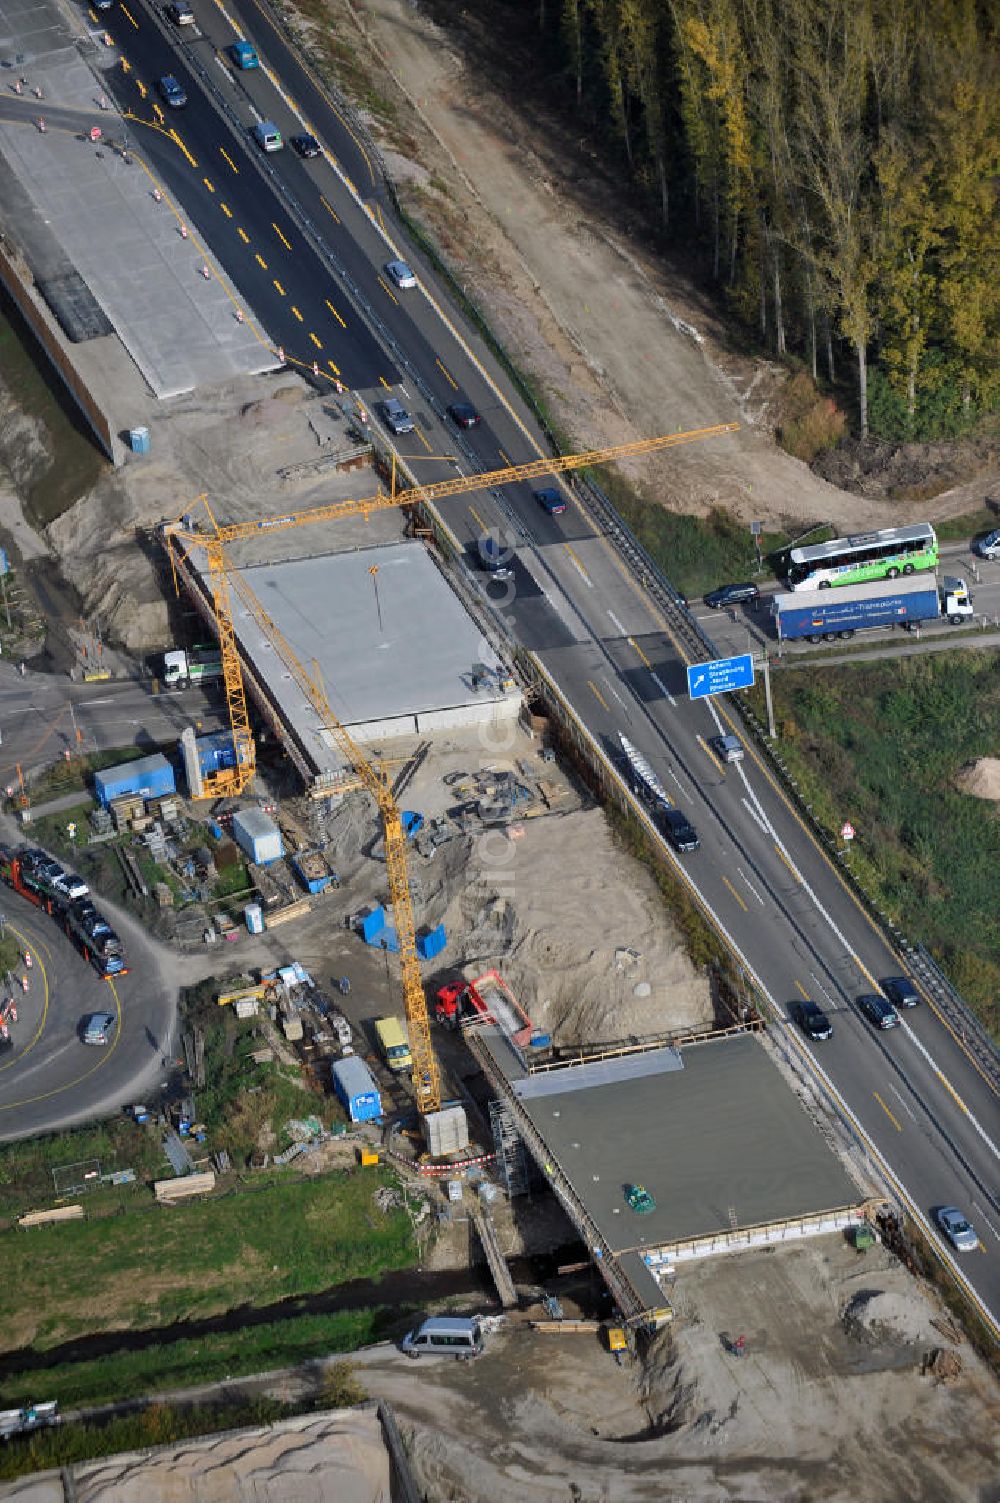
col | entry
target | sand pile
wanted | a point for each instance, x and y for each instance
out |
(579, 931)
(981, 778)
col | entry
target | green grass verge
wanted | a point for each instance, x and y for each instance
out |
(162, 1367)
(880, 744)
(149, 1267)
(961, 529)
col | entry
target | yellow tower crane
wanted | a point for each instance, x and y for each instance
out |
(224, 578)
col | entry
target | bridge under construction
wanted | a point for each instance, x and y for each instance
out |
(708, 1127)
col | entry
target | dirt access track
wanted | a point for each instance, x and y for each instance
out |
(622, 345)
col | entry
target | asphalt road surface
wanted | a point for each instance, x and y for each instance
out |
(922, 1103)
(50, 1079)
(41, 715)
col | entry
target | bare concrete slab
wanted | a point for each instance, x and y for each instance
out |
(395, 649)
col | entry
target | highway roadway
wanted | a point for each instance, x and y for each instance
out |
(924, 1106)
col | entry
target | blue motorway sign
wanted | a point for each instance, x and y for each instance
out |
(719, 676)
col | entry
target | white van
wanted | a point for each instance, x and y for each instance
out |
(267, 135)
(445, 1336)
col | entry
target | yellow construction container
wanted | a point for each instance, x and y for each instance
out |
(368, 1157)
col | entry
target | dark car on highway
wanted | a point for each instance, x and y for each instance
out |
(679, 830)
(551, 500)
(464, 414)
(879, 1012)
(305, 144)
(812, 1020)
(732, 594)
(900, 991)
(171, 91)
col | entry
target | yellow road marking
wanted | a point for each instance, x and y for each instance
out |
(478, 519)
(802, 991)
(260, 261)
(388, 290)
(633, 643)
(143, 91)
(280, 236)
(315, 341)
(208, 184)
(335, 313)
(129, 16)
(227, 158)
(735, 894)
(298, 315)
(334, 368)
(505, 457)
(952, 1092)
(423, 440)
(329, 209)
(597, 694)
(787, 863)
(446, 373)
(226, 209)
(243, 234)
(281, 289)
(157, 112)
(577, 562)
(385, 383)
(888, 1113)
(181, 147)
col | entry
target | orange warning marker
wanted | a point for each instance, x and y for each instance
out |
(157, 196)
(206, 273)
(239, 315)
(183, 231)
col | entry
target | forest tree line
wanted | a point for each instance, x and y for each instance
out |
(838, 162)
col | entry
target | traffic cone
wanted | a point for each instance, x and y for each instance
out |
(281, 354)
(183, 231)
(206, 273)
(315, 368)
(18, 87)
(239, 315)
(37, 92)
(41, 125)
(157, 196)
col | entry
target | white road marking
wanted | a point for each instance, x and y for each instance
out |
(977, 1207)
(686, 791)
(761, 823)
(741, 873)
(902, 1103)
(612, 690)
(951, 1090)
(657, 680)
(831, 1001)
(615, 622)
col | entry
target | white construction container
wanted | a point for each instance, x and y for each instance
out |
(257, 835)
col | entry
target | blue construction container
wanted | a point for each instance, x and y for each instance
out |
(148, 777)
(356, 1090)
(138, 439)
(215, 752)
(372, 925)
(431, 943)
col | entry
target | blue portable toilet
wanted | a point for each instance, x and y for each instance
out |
(431, 943)
(138, 439)
(412, 822)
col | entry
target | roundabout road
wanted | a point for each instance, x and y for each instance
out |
(49, 1079)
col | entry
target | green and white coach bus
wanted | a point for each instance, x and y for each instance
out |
(871, 555)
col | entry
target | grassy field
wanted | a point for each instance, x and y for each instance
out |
(151, 1266)
(170, 1366)
(880, 744)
